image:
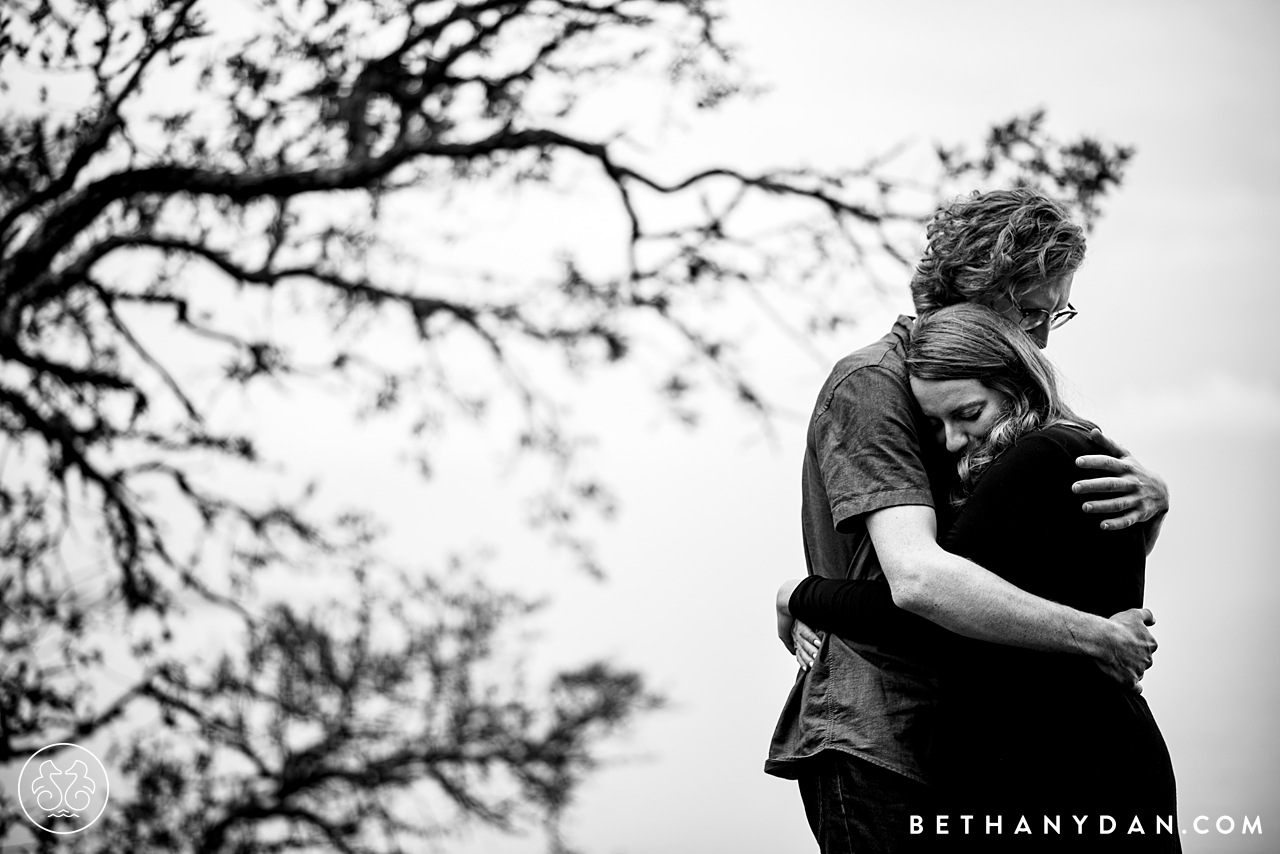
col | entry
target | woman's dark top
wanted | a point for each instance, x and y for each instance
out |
(1022, 732)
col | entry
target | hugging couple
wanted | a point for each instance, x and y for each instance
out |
(971, 633)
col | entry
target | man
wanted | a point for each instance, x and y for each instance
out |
(857, 723)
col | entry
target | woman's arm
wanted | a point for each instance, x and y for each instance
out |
(858, 610)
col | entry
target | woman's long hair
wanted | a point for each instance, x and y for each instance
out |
(972, 342)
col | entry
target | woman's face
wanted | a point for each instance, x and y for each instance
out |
(962, 412)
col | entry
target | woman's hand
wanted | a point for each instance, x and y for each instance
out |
(800, 640)
(782, 604)
(806, 642)
(1143, 494)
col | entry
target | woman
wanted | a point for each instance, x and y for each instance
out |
(1021, 734)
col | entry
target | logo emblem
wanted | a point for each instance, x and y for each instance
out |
(63, 788)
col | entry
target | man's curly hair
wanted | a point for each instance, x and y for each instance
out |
(991, 244)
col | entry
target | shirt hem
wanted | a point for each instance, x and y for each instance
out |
(791, 767)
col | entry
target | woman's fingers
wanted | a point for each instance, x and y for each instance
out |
(806, 642)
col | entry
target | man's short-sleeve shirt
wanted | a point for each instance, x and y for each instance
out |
(868, 448)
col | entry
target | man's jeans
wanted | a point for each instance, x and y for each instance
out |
(855, 807)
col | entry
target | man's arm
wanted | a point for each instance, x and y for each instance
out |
(959, 595)
(1143, 498)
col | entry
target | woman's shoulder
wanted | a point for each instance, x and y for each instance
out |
(1058, 443)
(1070, 439)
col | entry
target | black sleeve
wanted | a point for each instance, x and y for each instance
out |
(861, 611)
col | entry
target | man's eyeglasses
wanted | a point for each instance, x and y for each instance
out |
(1034, 317)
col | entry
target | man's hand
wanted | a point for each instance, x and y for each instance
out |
(1143, 497)
(1126, 654)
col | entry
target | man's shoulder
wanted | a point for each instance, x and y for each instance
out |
(890, 352)
(885, 360)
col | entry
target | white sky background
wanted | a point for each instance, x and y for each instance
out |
(1173, 353)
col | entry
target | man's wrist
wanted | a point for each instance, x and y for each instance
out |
(1096, 637)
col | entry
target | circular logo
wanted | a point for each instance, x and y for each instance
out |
(63, 788)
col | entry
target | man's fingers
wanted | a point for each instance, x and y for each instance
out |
(1102, 484)
(1112, 447)
(1119, 523)
(1148, 618)
(1112, 505)
(1103, 463)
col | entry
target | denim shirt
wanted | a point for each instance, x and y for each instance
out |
(864, 453)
